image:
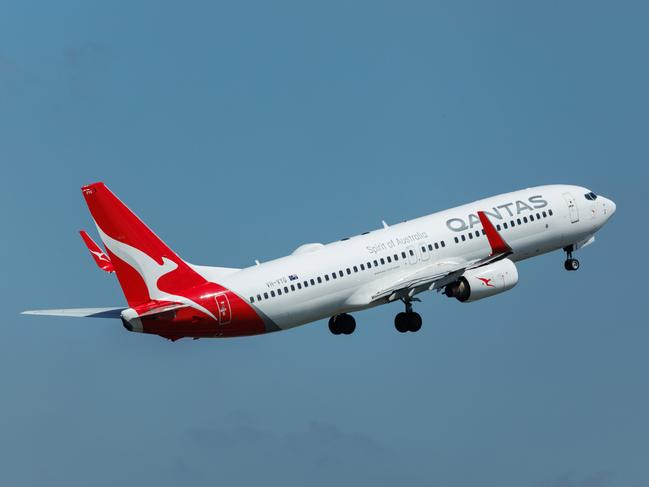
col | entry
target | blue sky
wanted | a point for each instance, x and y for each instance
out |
(240, 131)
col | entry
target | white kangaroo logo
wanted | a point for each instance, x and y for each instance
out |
(149, 270)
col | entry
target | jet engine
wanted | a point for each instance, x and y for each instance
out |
(483, 282)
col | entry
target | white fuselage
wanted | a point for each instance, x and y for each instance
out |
(545, 218)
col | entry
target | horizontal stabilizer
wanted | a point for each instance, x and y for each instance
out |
(100, 257)
(78, 312)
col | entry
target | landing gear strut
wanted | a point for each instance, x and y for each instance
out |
(343, 323)
(570, 264)
(408, 321)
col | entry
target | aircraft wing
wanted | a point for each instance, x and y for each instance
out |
(100, 258)
(78, 312)
(433, 276)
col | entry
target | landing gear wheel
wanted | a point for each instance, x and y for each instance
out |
(333, 326)
(415, 322)
(571, 264)
(343, 323)
(408, 321)
(401, 322)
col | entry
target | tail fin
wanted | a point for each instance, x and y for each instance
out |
(143, 263)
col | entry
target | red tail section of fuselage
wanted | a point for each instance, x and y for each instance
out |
(152, 275)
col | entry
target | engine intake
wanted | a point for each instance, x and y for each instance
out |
(484, 282)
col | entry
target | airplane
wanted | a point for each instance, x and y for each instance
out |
(468, 253)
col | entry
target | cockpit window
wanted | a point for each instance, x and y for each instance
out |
(590, 196)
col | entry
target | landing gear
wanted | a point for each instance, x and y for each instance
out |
(343, 323)
(408, 321)
(570, 264)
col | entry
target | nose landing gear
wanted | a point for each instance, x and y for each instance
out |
(408, 321)
(343, 323)
(570, 264)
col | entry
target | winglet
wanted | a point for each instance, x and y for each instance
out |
(101, 259)
(498, 244)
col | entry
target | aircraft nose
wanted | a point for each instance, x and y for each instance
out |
(609, 207)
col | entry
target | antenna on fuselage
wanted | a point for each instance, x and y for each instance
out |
(385, 225)
(257, 262)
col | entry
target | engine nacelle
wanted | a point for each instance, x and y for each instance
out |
(483, 282)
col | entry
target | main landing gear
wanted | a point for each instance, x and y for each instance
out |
(343, 323)
(408, 321)
(570, 264)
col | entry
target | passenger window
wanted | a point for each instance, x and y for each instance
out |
(396, 257)
(272, 294)
(326, 277)
(444, 245)
(341, 273)
(531, 218)
(382, 261)
(457, 240)
(258, 297)
(349, 271)
(498, 227)
(252, 300)
(538, 216)
(545, 215)
(512, 223)
(550, 212)
(423, 249)
(362, 267)
(376, 263)
(519, 221)
(369, 265)
(463, 238)
(525, 219)
(412, 252)
(334, 276)
(299, 286)
(430, 247)
(470, 236)
(505, 225)
(292, 287)
(286, 290)
(436, 246)
(484, 232)
(403, 254)
(389, 259)
(279, 292)
(477, 233)
(319, 280)
(355, 269)
(265, 295)
(313, 282)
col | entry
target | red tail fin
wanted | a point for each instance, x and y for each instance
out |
(147, 269)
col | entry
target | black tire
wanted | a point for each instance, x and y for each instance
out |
(414, 322)
(571, 265)
(333, 326)
(401, 322)
(347, 323)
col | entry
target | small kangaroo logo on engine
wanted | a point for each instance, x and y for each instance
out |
(486, 282)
